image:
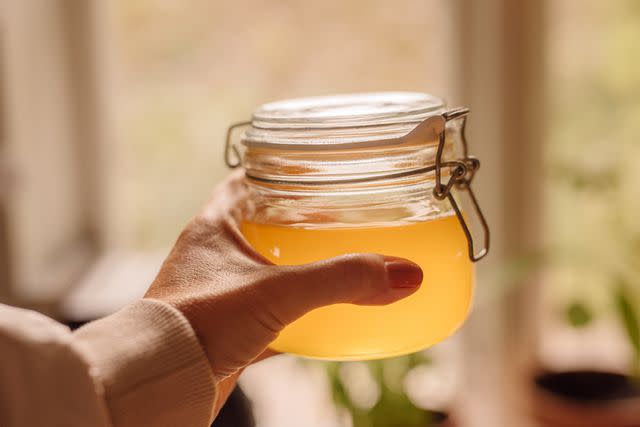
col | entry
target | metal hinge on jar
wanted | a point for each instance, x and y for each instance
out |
(461, 175)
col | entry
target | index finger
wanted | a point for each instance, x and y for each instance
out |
(228, 197)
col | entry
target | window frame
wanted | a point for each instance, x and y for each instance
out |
(73, 55)
(499, 53)
(5, 273)
(503, 81)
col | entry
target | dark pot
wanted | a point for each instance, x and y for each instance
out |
(586, 399)
(236, 411)
(440, 419)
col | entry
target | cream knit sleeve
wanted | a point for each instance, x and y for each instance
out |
(142, 366)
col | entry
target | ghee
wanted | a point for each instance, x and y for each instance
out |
(351, 332)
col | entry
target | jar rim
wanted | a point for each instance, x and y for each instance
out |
(340, 121)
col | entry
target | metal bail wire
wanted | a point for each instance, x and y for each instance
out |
(230, 147)
(461, 176)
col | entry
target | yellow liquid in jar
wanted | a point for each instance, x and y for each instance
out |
(351, 332)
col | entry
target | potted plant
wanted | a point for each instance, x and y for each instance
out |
(593, 398)
(378, 393)
(596, 397)
(594, 236)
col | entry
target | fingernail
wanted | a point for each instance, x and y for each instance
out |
(402, 273)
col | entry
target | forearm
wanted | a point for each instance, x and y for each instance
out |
(141, 366)
(43, 379)
(150, 366)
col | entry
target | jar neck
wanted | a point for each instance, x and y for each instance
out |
(381, 164)
(387, 183)
(388, 202)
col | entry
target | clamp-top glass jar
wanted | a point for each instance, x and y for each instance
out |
(367, 172)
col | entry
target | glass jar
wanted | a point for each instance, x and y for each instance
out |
(369, 172)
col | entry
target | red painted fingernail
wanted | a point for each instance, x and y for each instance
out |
(403, 273)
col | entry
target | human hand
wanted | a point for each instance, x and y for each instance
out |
(237, 301)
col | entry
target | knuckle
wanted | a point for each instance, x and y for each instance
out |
(193, 230)
(200, 231)
(363, 268)
(259, 300)
(270, 299)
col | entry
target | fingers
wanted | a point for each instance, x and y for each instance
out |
(233, 188)
(228, 197)
(365, 279)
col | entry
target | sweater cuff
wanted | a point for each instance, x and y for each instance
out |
(150, 366)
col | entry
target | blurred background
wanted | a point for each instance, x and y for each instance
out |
(112, 124)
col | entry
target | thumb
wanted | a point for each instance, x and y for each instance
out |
(364, 279)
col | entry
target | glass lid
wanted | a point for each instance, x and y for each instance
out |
(340, 120)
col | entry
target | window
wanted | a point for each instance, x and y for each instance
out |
(592, 198)
(4, 178)
(50, 235)
(132, 111)
(186, 71)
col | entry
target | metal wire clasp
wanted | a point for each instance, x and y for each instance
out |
(462, 173)
(230, 147)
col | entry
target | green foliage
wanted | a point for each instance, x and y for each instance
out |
(581, 179)
(579, 315)
(592, 178)
(338, 392)
(393, 407)
(630, 321)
